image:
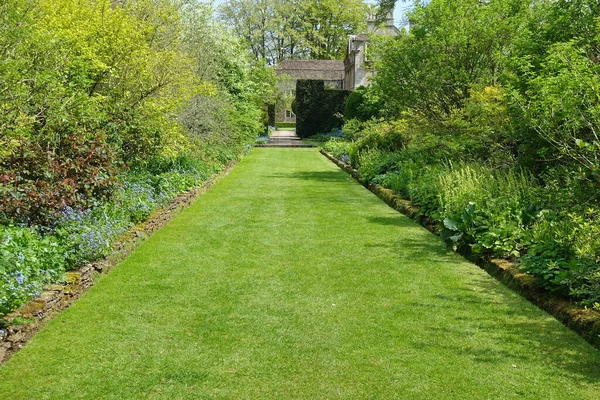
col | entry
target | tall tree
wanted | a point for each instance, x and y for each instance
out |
(275, 30)
(451, 46)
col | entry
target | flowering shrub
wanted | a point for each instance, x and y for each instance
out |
(138, 199)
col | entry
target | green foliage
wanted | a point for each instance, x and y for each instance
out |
(319, 110)
(81, 235)
(27, 262)
(565, 253)
(86, 86)
(496, 130)
(279, 30)
(488, 210)
(451, 46)
(380, 136)
(234, 113)
(340, 149)
(286, 125)
(363, 104)
(374, 163)
(561, 105)
(92, 89)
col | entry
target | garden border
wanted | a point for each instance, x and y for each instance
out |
(56, 298)
(584, 321)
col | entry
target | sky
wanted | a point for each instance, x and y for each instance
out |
(399, 12)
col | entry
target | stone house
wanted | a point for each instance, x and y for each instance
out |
(349, 74)
(356, 64)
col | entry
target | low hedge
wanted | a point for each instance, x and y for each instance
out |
(285, 125)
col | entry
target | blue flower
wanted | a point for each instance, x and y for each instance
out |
(20, 278)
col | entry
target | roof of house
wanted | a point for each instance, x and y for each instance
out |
(312, 69)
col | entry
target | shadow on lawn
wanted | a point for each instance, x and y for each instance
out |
(482, 307)
(417, 244)
(527, 336)
(323, 176)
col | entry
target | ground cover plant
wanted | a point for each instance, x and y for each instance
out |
(290, 280)
(486, 119)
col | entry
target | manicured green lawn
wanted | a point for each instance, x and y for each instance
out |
(290, 281)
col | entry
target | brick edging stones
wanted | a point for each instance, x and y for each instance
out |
(56, 298)
(584, 321)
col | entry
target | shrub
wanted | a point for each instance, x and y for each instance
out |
(374, 163)
(336, 134)
(380, 136)
(362, 104)
(41, 178)
(87, 235)
(318, 110)
(285, 125)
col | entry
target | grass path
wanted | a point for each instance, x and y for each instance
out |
(290, 281)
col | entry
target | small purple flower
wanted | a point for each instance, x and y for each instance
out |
(20, 278)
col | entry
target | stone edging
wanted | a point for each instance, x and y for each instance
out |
(56, 298)
(584, 321)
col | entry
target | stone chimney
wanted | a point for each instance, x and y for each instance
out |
(371, 23)
(385, 28)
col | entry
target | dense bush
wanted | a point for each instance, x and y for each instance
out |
(565, 252)
(38, 180)
(318, 110)
(340, 149)
(30, 259)
(492, 212)
(363, 104)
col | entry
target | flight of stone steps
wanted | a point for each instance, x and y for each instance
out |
(284, 139)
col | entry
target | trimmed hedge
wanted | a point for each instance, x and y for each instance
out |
(319, 110)
(271, 114)
(285, 124)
